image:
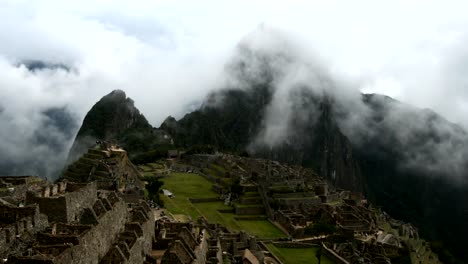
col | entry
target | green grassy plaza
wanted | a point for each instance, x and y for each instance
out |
(187, 185)
(298, 255)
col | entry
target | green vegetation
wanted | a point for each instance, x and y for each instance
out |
(219, 175)
(152, 188)
(185, 186)
(260, 228)
(148, 174)
(145, 168)
(218, 168)
(444, 255)
(201, 149)
(298, 255)
(151, 169)
(152, 155)
(210, 171)
(248, 205)
(156, 165)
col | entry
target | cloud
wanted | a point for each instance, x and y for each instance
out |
(167, 55)
(301, 82)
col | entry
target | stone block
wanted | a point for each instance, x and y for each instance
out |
(89, 217)
(46, 191)
(54, 189)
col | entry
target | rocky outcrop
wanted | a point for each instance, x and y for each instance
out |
(115, 118)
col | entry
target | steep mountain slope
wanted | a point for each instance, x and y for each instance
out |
(410, 161)
(279, 106)
(115, 118)
(377, 163)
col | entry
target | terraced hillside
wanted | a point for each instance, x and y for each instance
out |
(194, 197)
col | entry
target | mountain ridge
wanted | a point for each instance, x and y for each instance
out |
(373, 166)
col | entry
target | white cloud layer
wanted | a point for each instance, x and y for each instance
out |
(168, 54)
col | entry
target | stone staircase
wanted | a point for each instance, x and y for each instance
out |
(250, 203)
(89, 165)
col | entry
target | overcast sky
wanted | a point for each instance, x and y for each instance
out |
(168, 54)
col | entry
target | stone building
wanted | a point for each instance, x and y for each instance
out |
(75, 220)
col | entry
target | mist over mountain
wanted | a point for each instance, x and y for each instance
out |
(280, 105)
(38, 65)
(38, 151)
(304, 97)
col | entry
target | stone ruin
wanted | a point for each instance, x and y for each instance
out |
(296, 198)
(107, 165)
(204, 242)
(75, 223)
(75, 220)
(96, 213)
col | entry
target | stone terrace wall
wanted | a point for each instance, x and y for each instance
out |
(97, 241)
(295, 245)
(81, 198)
(201, 250)
(92, 244)
(144, 242)
(250, 210)
(332, 255)
(18, 221)
(64, 207)
(136, 241)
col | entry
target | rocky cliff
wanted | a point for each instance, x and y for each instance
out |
(410, 161)
(115, 118)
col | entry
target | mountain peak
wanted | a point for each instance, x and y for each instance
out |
(111, 119)
(116, 94)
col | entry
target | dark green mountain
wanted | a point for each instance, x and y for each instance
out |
(115, 118)
(410, 161)
(376, 164)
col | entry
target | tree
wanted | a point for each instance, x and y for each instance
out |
(153, 187)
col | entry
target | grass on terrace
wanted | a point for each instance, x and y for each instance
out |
(145, 168)
(219, 168)
(186, 185)
(298, 255)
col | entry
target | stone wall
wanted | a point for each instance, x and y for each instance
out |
(203, 200)
(294, 195)
(135, 242)
(294, 245)
(251, 218)
(91, 243)
(177, 253)
(96, 243)
(18, 180)
(144, 243)
(81, 198)
(18, 221)
(201, 250)
(332, 255)
(297, 203)
(64, 207)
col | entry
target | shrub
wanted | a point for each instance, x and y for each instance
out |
(153, 188)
